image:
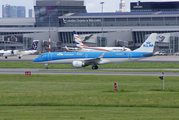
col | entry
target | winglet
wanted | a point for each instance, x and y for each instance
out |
(66, 48)
(101, 55)
(123, 48)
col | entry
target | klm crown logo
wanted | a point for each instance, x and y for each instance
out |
(148, 44)
(59, 54)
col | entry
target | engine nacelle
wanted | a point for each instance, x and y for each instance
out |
(78, 64)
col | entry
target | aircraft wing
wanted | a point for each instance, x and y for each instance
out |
(94, 60)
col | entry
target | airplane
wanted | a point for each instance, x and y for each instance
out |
(83, 59)
(19, 53)
(84, 48)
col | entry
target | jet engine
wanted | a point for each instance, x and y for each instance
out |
(78, 64)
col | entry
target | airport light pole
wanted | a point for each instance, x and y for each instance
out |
(49, 35)
(102, 22)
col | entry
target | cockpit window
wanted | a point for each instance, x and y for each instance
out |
(41, 56)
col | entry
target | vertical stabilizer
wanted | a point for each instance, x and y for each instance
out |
(148, 45)
(78, 41)
(34, 46)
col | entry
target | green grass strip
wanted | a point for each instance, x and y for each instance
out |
(171, 71)
(23, 64)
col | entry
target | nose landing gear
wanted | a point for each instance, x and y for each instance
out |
(46, 66)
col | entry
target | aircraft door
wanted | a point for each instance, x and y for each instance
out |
(50, 56)
(129, 55)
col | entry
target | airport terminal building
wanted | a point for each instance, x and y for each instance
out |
(113, 29)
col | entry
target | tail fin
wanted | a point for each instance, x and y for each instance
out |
(148, 45)
(34, 46)
(78, 41)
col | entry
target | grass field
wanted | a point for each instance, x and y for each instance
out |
(88, 97)
(22, 64)
(86, 113)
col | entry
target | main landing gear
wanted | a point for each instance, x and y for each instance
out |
(94, 67)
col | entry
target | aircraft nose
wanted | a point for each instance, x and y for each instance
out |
(35, 60)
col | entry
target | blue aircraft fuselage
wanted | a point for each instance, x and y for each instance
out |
(69, 57)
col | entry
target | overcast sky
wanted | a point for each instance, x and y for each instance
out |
(92, 5)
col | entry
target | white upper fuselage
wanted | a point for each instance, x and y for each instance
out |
(26, 52)
(5, 53)
(8, 53)
(100, 49)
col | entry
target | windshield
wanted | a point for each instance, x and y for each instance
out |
(40, 56)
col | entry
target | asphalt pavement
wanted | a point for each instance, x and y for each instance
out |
(170, 59)
(85, 72)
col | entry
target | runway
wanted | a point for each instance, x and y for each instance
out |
(85, 72)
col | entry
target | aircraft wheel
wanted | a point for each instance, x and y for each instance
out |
(94, 67)
(19, 57)
(6, 57)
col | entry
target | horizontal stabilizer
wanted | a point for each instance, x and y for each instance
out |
(148, 54)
